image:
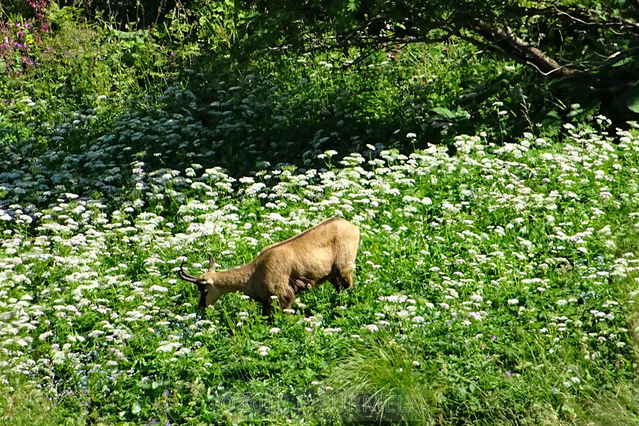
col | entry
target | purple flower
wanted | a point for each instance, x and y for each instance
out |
(508, 373)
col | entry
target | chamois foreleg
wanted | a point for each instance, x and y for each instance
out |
(267, 308)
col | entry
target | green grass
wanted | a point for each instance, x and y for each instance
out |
(494, 284)
(26, 405)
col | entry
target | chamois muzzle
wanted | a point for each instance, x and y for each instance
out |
(187, 277)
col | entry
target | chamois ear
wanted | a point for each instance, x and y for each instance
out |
(211, 264)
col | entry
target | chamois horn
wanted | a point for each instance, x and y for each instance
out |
(187, 277)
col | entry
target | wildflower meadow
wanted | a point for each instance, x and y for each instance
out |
(497, 279)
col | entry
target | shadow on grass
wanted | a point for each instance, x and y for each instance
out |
(210, 116)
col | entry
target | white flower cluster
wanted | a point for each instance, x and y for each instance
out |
(511, 230)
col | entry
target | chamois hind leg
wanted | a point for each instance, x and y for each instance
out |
(342, 279)
(286, 299)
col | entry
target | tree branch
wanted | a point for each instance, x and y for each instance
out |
(579, 17)
(525, 53)
(616, 57)
(521, 51)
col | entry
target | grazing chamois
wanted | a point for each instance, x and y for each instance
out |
(325, 252)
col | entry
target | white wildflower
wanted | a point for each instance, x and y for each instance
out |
(263, 350)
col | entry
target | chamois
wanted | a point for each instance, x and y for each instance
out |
(325, 252)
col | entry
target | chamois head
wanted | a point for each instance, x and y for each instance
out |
(205, 284)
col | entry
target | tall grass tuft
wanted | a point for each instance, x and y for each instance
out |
(24, 405)
(382, 384)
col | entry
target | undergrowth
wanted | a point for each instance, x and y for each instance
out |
(496, 277)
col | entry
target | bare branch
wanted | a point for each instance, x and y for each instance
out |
(521, 51)
(581, 18)
(616, 57)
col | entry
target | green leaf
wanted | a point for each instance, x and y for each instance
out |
(444, 112)
(136, 408)
(623, 62)
(633, 101)
(552, 117)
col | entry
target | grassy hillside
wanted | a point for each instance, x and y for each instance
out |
(496, 280)
(494, 284)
